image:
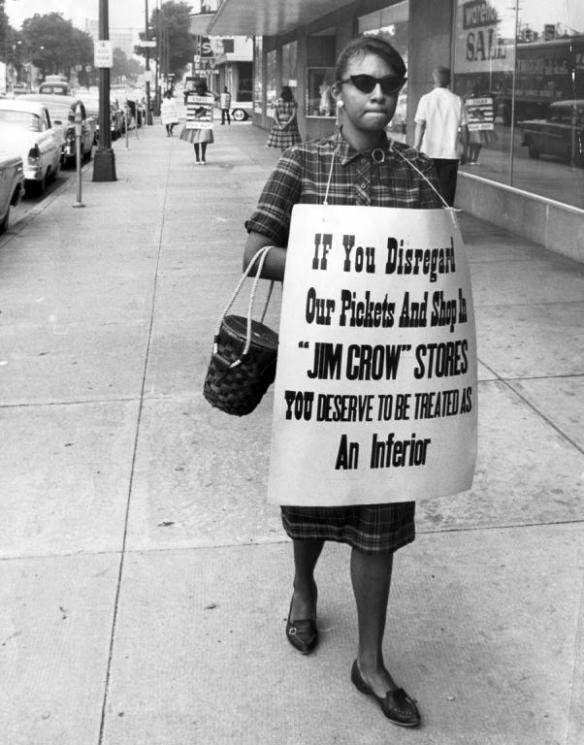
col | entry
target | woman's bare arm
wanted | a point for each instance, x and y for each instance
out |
(275, 260)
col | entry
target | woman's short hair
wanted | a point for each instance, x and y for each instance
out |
(287, 94)
(363, 45)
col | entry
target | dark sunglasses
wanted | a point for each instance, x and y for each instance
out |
(366, 83)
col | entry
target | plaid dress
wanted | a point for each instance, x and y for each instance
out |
(304, 174)
(288, 136)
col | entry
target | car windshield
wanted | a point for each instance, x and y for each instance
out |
(21, 118)
(91, 105)
(60, 114)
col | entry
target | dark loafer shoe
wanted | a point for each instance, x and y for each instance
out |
(302, 635)
(397, 706)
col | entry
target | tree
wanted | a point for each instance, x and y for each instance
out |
(125, 68)
(4, 33)
(170, 25)
(55, 45)
(81, 55)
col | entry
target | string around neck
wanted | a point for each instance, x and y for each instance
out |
(330, 176)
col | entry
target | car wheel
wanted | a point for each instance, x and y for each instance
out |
(239, 115)
(5, 222)
(532, 150)
(579, 157)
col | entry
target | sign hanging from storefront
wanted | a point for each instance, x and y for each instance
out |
(375, 398)
(482, 44)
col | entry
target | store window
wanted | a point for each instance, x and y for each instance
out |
(258, 80)
(525, 64)
(289, 65)
(392, 23)
(271, 82)
(319, 98)
(320, 74)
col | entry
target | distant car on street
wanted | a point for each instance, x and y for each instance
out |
(62, 111)
(55, 84)
(117, 125)
(26, 129)
(19, 89)
(11, 186)
(560, 134)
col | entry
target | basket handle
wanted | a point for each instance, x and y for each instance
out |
(259, 258)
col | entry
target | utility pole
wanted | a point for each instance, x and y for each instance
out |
(104, 164)
(147, 74)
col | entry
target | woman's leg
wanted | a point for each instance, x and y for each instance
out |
(306, 555)
(371, 579)
(196, 146)
(203, 151)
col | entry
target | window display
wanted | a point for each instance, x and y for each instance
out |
(319, 99)
(258, 80)
(289, 62)
(529, 62)
(271, 82)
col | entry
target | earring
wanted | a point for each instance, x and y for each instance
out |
(340, 104)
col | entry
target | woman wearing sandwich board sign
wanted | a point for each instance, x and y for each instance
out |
(375, 391)
(198, 128)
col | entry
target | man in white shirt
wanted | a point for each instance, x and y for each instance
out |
(440, 120)
(225, 104)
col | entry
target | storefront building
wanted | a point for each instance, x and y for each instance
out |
(518, 65)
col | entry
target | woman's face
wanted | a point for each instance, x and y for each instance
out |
(367, 113)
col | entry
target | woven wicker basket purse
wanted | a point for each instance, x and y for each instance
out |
(243, 361)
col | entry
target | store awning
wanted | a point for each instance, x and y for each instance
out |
(268, 17)
(200, 23)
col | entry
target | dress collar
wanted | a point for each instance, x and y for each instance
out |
(347, 153)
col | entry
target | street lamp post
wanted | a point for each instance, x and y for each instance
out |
(104, 164)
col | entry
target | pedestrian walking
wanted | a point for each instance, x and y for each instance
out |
(169, 113)
(284, 132)
(357, 165)
(198, 128)
(441, 130)
(225, 104)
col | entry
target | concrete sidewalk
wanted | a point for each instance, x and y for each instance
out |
(145, 582)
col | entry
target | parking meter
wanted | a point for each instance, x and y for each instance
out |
(78, 120)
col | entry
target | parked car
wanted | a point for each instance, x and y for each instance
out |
(560, 134)
(19, 89)
(62, 111)
(241, 110)
(137, 108)
(117, 125)
(11, 186)
(26, 128)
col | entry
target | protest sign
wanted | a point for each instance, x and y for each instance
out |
(199, 112)
(375, 398)
(480, 113)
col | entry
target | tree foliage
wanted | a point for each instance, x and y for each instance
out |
(125, 67)
(55, 45)
(5, 30)
(175, 45)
